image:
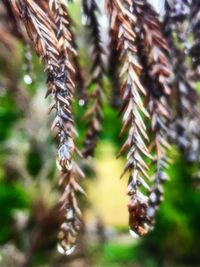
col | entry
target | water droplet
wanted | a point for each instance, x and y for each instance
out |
(164, 177)
(70, 214)
(133, 234)
(28, 79)
(81, 102)
(67, 251)
(65, 226)
(84, 20)
(151, 212)
(60, 249)
(153, 197)
(70, 250)
(28, 55)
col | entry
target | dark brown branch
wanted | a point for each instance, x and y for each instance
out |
(157, 71)
(95, 98)
(54, 50)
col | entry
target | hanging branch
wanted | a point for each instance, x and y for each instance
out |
(94, 114)
(185, 128)
(53, 50)
(63, 30)
(70, 172)
(76, 76)
(157, 71)
(79, 79)
(123, 21)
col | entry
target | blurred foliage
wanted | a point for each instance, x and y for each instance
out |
(8, 115)
(32, 176)
(13, 196)
(175, 239)
(177, 230)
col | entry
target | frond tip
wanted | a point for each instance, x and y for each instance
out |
(72, 217)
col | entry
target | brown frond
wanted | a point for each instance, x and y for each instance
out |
(94, 113)
(55, 50)
(157, 71)
(63, 29)
(72, 217)
(123, 22)
(70, 172)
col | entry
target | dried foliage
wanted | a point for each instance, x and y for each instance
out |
(95, 98)
(70, 172)
(122, 24)
(55, 50)
(150, 55)
(156, 74)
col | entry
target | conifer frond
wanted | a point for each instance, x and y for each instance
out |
(94, 113)
(70, 172)
(123, 21)
(54, 50)
(65, 35)
(185, 128)
(157, 71)
(72, 216)
(145, 46)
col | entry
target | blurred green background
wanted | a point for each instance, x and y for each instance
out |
(29, 192)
